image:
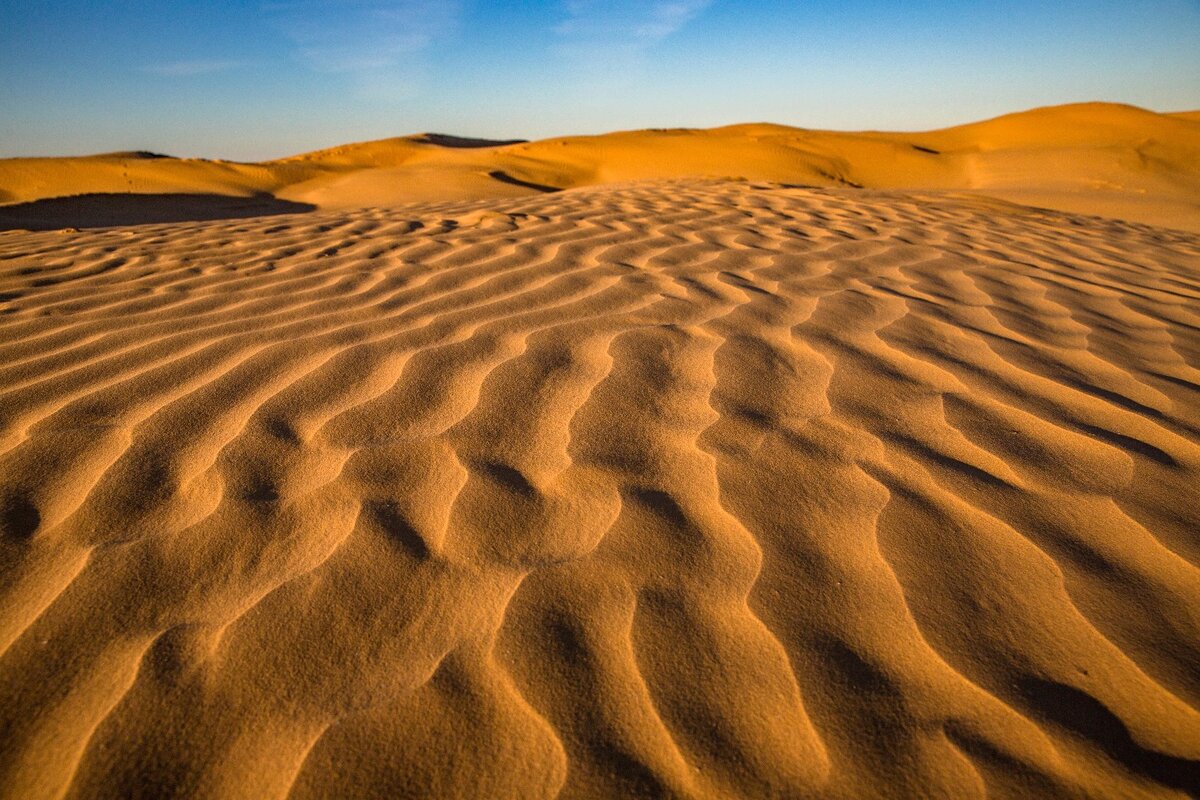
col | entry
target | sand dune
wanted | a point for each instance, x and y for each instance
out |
(682, 488)
(1096, 158)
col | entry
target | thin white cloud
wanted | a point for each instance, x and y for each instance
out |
(187, 69)
(376, 45)
(667, 17)
(627, 22)
(605, 42)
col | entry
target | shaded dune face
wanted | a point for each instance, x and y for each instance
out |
(683, 489)
(110, 210)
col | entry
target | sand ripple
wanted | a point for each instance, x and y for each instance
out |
(688, 489)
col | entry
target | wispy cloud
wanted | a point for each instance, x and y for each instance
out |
(627, 22)
(605, 40)
(187, 69)
(377, 44)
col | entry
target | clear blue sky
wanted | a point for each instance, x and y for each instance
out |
(252, 79)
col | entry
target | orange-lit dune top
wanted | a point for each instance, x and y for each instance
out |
(1096, 158)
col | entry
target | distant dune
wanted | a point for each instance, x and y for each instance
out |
(667, 464)
(1096, 158)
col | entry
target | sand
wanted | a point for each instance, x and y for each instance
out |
(1094, 158)
(685, 486)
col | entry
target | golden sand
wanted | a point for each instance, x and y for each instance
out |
(686, 487)
(1094, 158)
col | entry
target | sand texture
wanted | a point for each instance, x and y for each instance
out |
(680, 488)
(1094, 158)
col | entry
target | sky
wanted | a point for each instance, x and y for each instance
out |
(257, 79)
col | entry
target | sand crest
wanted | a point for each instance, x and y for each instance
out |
(1093, 158)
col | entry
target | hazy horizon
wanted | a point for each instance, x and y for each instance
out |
(258, 80)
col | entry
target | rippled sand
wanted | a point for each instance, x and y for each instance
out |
(687, 488)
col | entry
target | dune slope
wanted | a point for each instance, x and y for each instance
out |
(1095, 158)
(678, 489)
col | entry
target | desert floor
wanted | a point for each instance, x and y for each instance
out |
(670, 488)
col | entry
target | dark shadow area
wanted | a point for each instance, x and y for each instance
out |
(504, 177)
(1180, 382)
(661, 503)
(446, 140)
(390, 519)
(506, 476)
(1086, 716)
(141, 155)
(1131, 444)
(113, 210)
(19, 517)
(852, 672)
(261, 492)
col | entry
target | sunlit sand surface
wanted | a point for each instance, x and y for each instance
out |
(1095, 158)
(687, 481)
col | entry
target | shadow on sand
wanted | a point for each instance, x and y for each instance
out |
(114, 210)
(463, 142)
(504, 177)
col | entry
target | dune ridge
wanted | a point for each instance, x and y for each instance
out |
(685, 488)
(1095, 158)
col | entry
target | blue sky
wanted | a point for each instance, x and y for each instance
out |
(254, 79)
